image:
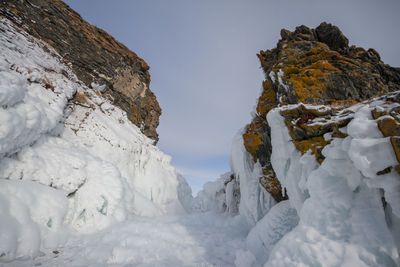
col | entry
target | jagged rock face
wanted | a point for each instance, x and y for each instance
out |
(312, 66)
(96, 57)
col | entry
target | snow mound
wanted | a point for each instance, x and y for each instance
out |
(31, 214)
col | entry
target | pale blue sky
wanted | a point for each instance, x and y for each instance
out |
(203, 64)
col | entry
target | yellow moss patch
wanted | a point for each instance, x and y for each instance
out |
(339, 134)
(389, 127)
(308, 71)
(334, 103)
(291, 69)
(309, 82)
(252, 140)
(301, 110)
(315, 144)
(261, 57)
(267, 99)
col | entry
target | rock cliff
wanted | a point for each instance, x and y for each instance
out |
(71, 156)
(315, 66)
(97, 59)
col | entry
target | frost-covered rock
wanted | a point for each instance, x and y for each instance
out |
(345, 204)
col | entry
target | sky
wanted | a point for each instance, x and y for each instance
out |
(203, 64)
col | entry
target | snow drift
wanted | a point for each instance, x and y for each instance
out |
(68, 157)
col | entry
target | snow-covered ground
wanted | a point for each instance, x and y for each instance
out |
(207, 239)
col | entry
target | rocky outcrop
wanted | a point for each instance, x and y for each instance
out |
(97, 59)
(315, 66)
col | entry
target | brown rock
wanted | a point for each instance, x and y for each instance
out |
(95, 56)
(389, 126)
(272, 185)
(332, 36)
(395, 141)
(385, 171)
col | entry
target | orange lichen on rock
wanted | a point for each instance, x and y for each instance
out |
(334, 103)
(308, 135)
(308, 72)
(302, 110)
(389, 127)
(80, 97)
(378, 113)
(262, 58)
(273, 186)
(314, 144)
(338, 134)
(267, 99)
(252, 139)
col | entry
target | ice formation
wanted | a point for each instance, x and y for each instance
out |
(69, 162)
(343, 212)
(342, 217)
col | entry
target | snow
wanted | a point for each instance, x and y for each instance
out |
(98, 87)
(29, 212)
(280, 80)
(33, 90)
(222, 195)
(204, 239)
(280, 220)
(272, 76)
(254, 200)
(244, 258)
